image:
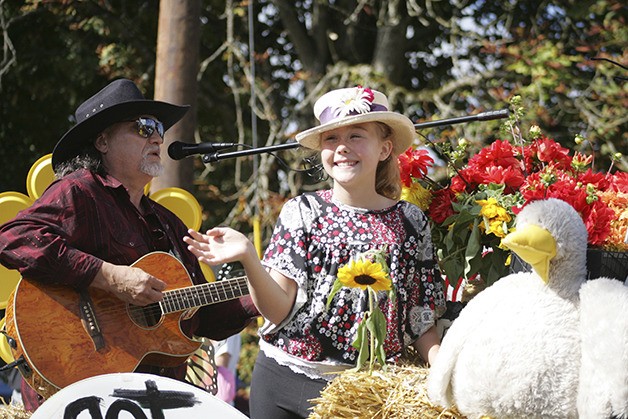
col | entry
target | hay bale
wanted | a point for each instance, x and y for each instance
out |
(14, 411)
(398, 392)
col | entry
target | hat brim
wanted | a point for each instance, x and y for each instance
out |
(73, 141)
(402, 127)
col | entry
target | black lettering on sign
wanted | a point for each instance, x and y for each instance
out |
(158, 401)
(152, 398)
(90, 403)
(126, 405)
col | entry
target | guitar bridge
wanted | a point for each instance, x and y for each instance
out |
(88, 318)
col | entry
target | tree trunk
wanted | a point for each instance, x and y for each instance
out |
(389, 55)
(177, 65)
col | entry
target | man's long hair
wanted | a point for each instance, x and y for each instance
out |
(88, 158)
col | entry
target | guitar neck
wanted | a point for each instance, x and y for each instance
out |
(202, 295)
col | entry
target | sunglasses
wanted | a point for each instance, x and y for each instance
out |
(146, 126)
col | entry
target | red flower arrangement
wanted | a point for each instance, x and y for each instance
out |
(545, 169)
(478, 207)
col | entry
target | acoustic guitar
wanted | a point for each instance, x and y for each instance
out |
(65, 336)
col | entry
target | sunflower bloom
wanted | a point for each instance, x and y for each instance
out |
(363, 273)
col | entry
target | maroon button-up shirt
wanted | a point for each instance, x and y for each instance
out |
(85, 219)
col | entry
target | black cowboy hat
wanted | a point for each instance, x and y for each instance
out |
(116, 102)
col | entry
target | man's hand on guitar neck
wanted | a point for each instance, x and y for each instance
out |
(129, 284)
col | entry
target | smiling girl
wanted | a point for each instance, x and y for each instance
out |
(302, 342)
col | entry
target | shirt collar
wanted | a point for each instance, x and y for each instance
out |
(108, 181)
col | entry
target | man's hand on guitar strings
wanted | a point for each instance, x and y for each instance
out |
(129, 284)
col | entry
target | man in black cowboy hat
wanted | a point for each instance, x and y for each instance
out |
(95, 221)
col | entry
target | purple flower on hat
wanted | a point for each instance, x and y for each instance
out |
(355, 102)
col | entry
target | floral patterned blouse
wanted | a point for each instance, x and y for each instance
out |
(314, 236)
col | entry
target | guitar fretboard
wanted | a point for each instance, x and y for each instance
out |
(202, 295)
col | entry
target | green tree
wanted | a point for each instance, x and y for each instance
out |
(435, 60)
(63, 52)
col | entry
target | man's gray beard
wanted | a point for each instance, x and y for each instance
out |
(151, 169)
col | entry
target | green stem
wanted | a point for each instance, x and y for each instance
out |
(371, 337)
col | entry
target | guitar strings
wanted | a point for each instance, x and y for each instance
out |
(152, 314)
(178, 300)
(210, 292)
(175, 300)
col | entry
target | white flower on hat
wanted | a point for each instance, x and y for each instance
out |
(358, 101)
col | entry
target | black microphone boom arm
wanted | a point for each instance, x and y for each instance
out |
(214, 157)
(484, 116)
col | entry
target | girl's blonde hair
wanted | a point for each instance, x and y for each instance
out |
(388, 178)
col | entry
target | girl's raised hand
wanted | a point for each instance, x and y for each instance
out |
(219, 245)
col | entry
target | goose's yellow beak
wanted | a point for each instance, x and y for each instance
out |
(535, 245)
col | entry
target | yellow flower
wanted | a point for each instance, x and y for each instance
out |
(491, 209)
(363, 273)
(495, 217)
(498, 228)
(416, 194)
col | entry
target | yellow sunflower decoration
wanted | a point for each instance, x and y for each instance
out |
(369, 272)
(363, 273)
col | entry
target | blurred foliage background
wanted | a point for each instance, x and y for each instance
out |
(434, 59)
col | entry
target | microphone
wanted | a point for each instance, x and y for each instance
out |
(178, 150)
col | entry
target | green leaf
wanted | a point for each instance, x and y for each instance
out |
(448, 240)
(335, 288)
(496, 262)
(474, 247)
(452, 267)
(392, 295)
(474, 266)
(361, 344)
(359, 336)
(377, 327)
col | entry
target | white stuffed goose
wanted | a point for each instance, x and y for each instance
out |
(514, 350)
(603, 388)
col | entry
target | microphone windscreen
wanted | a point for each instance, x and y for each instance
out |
(175, 151)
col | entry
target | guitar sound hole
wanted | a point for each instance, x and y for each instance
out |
(147, 316)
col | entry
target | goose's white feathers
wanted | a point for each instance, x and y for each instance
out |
(603, 390)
